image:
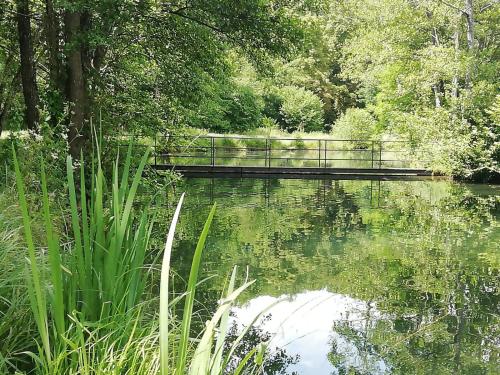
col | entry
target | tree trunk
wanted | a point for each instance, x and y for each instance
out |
(76, 91)
(437, 96)
(469, 18)
(28, 72)
(57, 78)
(437, 88)
(454, 82)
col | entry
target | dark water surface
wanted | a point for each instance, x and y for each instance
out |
(374, 277)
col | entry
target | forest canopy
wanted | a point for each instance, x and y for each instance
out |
(422, 70)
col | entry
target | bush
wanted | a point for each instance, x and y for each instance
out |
(244, 109)
(269, 123)
(273, 101)
(299, 144)
(230, 143)
(356, 124)
(255, 144)
(301, 110)
(449, 144)
(228, 108)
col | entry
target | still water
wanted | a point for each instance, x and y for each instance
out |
(372, 277)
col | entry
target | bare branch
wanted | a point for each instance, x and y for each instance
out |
(484, 7)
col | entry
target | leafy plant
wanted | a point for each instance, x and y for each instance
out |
(87, 299)
(357, 125)
(301, 110)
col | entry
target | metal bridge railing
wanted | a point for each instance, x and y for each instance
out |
(215, 150)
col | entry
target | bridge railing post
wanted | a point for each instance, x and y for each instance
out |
(212, 149)
(380, 156)
(326, 146)
(373, 150)
(319, 153)
(269, 153)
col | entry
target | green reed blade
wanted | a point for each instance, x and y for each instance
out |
(84, 276)
(191, 288)
(54, 253)
(38, 298)
(244, 332)
(126, 172)
(244, 361)
(165, 273)
(223, 327)
(200, 362)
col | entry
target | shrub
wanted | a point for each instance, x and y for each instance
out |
(244, 109)
(269, 123)
(356, 124)
(229, 143)
(301, 110)
(255, 144)
(273, 101)
(227, 108)
(299, 143)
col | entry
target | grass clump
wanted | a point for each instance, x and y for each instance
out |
(91, 296)
(229, 143)
(255, 144)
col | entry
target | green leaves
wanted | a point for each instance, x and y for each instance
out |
(206, 359)
(191, 289)
(101, 275)
(165, 274)
(34, 277)
(98, 281)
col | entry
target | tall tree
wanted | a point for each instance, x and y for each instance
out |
(76, 90)
(57, 77)
(28, 72)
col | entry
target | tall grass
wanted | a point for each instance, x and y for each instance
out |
(16, 323)
(88, 296)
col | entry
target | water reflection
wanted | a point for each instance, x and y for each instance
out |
(300, 324)
(393, 277)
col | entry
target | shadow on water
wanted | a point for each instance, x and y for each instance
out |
(375, 277)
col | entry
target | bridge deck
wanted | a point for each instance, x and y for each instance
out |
(287, 172)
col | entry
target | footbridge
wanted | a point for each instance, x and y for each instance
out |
(259, 156)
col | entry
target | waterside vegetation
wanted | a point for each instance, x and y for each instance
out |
(87, 300)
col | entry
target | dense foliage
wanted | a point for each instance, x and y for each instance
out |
(423, 70)
(145, 64)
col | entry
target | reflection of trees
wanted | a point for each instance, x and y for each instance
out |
(365, 359)
(439, 298)
(342, 210)
(426, 254)
(276, 361)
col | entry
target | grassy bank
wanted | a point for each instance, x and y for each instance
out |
(89, 295)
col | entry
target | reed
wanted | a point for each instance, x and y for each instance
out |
(88, 297)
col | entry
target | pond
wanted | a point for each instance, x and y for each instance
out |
(372, 277)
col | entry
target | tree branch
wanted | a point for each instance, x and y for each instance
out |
(452, 6)
(207, 25)
(494, 2)
(195, 20)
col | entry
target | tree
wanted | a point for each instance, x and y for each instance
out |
(28, 71)
(182, 44)
(426, 65)
(10, 74)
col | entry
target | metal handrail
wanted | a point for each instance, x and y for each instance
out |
(262, 137)
(380, 150)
